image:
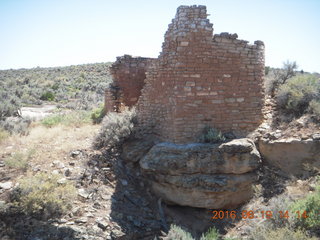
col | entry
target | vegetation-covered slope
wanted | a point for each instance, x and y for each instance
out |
(76, 87)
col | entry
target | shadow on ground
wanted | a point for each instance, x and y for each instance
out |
(141, 215)
(19, 227)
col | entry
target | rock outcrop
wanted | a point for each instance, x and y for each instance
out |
(202, 175)
(293, 156)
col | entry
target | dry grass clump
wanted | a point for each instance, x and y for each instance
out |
(19, 160)
(3, 134)
(284, 233)
(42, 196)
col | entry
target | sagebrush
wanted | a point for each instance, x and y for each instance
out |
(116, 127)
(16, 125)
(177, 232)
(310, 205)
(211, 135)
(300, 95)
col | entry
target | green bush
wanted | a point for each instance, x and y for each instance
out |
(47, 96)
(211, 234)
(211, 135)
(310, 204)
(42, 196)
(98, 114)
(297, 93)
(116, 127)
(52, 120)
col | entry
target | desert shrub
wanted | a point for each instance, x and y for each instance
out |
(211, 135)
(19, 160)
(211, 234)
(314, 108)
(3, 207)
(71, 118)
(284, 233)
(58, 84)
(9, 105)
(116, 127)
(311, 206)
(295, 96)
(16, 125)
(177, 233)
(47, 96)
(276, 205)
(3, 134)
(266, 70)
(42, 196)
(98, 114)
(278, 77)
(55, 86)
(271, 219)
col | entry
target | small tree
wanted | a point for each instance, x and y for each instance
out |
(281, 76)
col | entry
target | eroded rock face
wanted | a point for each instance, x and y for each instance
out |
(293, 156)
(202, 175)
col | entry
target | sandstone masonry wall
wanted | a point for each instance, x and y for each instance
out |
(129, 74)
(200, 79)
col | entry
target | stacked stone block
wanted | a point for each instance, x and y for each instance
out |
(129, 74)
(200, 79)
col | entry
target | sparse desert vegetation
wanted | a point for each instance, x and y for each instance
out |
(75, 87)
(203, 142)
(38, 157)
(43, 195)
(300, 95)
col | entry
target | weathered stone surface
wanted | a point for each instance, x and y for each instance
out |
(292, 156)
(237, 157)
(202, 175)
(203, 199)
(133, 151)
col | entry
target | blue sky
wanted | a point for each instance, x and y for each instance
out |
(68, 32)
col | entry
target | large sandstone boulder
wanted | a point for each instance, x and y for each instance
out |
(293, 156)
(202, 175)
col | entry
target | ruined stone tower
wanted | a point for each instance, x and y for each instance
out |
(199, 80)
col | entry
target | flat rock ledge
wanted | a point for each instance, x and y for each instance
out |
(213, 176)
(295, 157)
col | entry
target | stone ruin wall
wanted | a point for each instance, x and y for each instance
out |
(201, 80)
(128, 74)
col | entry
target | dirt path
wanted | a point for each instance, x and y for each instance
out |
(38, 112)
